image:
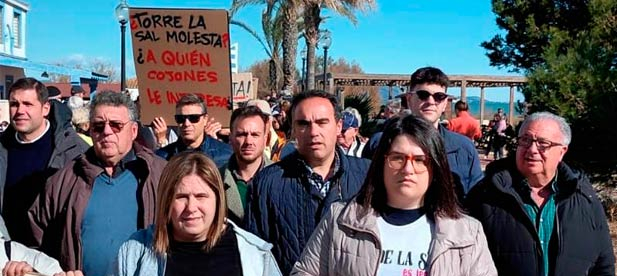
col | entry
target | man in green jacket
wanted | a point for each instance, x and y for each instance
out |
(248, 138)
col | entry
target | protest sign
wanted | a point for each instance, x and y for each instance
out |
(244, 88)
(181, 51)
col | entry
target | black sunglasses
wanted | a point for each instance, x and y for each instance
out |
(193, 118)
(437, 96)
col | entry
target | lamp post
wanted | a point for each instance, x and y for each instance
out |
(326, 41)
(122, 14)
(303, 54)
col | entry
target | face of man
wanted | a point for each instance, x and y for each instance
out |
(248, 139)
(28, 113)
(540, 163)
(315, 128)
(192, 132)
(112, 133)
(429, 108)
(347, 136)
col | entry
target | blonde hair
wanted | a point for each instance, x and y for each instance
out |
(181, 165)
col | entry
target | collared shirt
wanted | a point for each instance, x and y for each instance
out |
(122, 165)
(543, 217)
(321, 184)
(242, 185)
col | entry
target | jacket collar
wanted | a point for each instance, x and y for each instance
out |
(249, 238)
(87, 164)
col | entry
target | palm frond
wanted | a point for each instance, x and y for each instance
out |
(253, 33)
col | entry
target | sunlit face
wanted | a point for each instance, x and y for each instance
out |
(430, 109)
(27, 112)
(405, 187)
(248, 138)
(531, 161)
(315, 127)
(111, 145)
(192, 210)
(347, 137)
(190, 132)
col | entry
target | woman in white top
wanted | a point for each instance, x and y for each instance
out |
(406, 219)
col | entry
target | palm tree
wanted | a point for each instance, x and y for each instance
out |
(271, 42)
(312, 19)
(280, 27)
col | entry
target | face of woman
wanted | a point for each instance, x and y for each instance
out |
(406, 175)
(192, 209)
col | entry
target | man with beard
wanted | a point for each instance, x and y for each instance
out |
(248, 138)
(191, 117)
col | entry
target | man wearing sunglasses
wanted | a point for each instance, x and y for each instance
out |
(540, 216)
(191, 117)
(96, 201)
(33, 147)
(427, 98)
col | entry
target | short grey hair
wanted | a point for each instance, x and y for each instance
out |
(111, 98)
(564, 127)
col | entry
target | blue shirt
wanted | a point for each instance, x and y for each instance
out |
(109, 220)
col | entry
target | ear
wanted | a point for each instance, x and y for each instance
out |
(339, 125)
(134, 130)
(46, 108)
(563, 151)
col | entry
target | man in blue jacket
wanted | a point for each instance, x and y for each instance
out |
(540, 216)
(427, 98)
(191, 117)
(287, 200)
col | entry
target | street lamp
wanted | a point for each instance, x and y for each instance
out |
(326, 41)
(303, 54)
(122, 14)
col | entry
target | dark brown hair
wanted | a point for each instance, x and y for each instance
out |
(440, 198)
(31, 83)
(428, 75)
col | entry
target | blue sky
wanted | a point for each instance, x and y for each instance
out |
(397, 37)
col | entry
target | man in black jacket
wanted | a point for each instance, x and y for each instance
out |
(286, 200)
(540, 216)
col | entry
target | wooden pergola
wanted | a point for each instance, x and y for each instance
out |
(336, 80)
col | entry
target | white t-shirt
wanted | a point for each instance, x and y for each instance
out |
(405, 248)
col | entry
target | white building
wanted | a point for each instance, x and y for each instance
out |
(14, 63)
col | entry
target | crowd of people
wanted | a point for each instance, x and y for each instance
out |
(290, 188)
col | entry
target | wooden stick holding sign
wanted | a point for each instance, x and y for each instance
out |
(181, 51)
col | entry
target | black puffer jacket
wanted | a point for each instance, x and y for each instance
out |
(580, 244)
(284, 209)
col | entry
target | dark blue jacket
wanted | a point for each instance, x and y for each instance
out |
(463, 160)
(216, 150)
(284, 209)
(580, 244)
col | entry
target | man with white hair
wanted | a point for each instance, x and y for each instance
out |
(540, 216)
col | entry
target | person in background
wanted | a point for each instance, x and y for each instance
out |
(271, 135)
(60, 114)
(541, 216)
(31, 150)
(464, 123)
(81, 123)
(96, 201)
(249, 132)
(427, 98)
(191, 117)
(287, 199)
(498, 131)
(78, 91)
(349, 139)
(406, 219)
(191, 235)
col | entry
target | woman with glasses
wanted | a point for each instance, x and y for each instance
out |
(191, 235)
(406, 219)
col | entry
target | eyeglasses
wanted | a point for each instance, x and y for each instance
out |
(193, 118)
(437, 96)
(116, 126)
(542, 144)
(398, 160)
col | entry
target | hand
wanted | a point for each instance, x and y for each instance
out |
(225, 131)
(70, 273)
(159, 127)
(212, 127)
(14, 268)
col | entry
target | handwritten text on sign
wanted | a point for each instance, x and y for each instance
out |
(177, 52)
